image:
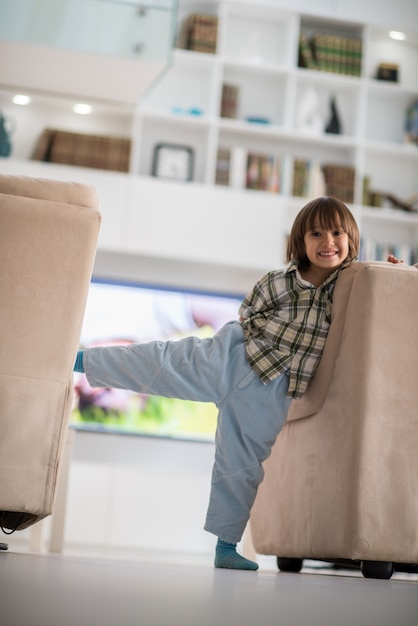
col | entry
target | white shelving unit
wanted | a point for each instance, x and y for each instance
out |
(257, 50)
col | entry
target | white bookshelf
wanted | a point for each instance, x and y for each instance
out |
(257, 50)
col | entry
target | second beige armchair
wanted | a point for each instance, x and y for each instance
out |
(342, 479)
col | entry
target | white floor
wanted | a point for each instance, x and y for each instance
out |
(111, 590)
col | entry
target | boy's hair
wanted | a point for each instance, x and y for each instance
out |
(326, 212)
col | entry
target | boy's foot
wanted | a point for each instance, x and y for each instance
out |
(228, 558)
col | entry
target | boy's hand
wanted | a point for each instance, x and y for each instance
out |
(392, 259)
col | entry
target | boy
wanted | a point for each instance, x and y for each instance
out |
(251, 369)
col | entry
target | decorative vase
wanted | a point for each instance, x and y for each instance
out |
(5, 143)
(412, 123)
(334, 124)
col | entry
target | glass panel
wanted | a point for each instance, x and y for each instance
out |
(115, 27)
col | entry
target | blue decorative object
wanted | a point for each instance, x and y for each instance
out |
(5, 143)
(412, 122)
(258, 120)
(176, 110)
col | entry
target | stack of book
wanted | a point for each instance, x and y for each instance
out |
(331, 53)
(339, 181)
(199, 33)
(229, 101)
(97, 151)
(241, 169)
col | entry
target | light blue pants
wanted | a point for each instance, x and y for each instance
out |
(251, 413)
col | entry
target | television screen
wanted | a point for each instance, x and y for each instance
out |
(124, 313)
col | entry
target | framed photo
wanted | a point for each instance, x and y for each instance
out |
(173, 162)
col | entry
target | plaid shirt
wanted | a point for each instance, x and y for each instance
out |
(286, 321)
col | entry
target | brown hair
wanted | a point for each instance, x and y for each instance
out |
(326, 212)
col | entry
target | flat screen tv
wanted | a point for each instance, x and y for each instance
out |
(123, 313)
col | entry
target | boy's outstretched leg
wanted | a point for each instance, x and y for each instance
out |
(228, 557)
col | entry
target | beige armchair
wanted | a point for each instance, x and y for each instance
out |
(48, 239)
(342, 480)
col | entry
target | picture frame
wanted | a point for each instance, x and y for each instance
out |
(173, 162)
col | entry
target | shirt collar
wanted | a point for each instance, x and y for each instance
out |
(293, 267)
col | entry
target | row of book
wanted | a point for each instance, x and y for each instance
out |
(244, 169)
(371, 250)
(199, 32)
(240, 168)
(331, 53)
(84, 150)
(312, 179)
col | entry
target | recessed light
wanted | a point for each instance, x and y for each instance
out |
(21, 99)
(397, 34)
(82, 109)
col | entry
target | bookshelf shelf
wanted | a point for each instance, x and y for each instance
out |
(180, 117)
(391, 215)
(406, 150)
(341, 143)
(388, 89)
(268, 69)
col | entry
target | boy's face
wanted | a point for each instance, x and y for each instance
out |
(326, 249)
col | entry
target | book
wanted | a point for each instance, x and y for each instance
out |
(229, 101)
(300, 178)
(263, 172)
(199, 32)
(238, 167)
(223, 166)
(83, 150)
(308, 179)
(332, 53)
(306, 57)
(388, 71)
(319, 47)
(339, 181)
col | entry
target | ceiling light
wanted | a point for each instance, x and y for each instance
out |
(83, 109)
(396, 34)
(21, 99)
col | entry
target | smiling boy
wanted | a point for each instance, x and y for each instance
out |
(251, 369)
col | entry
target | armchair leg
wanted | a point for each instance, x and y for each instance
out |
(289, 565)
(377, 569)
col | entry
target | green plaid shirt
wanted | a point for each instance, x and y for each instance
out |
(286, 322)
